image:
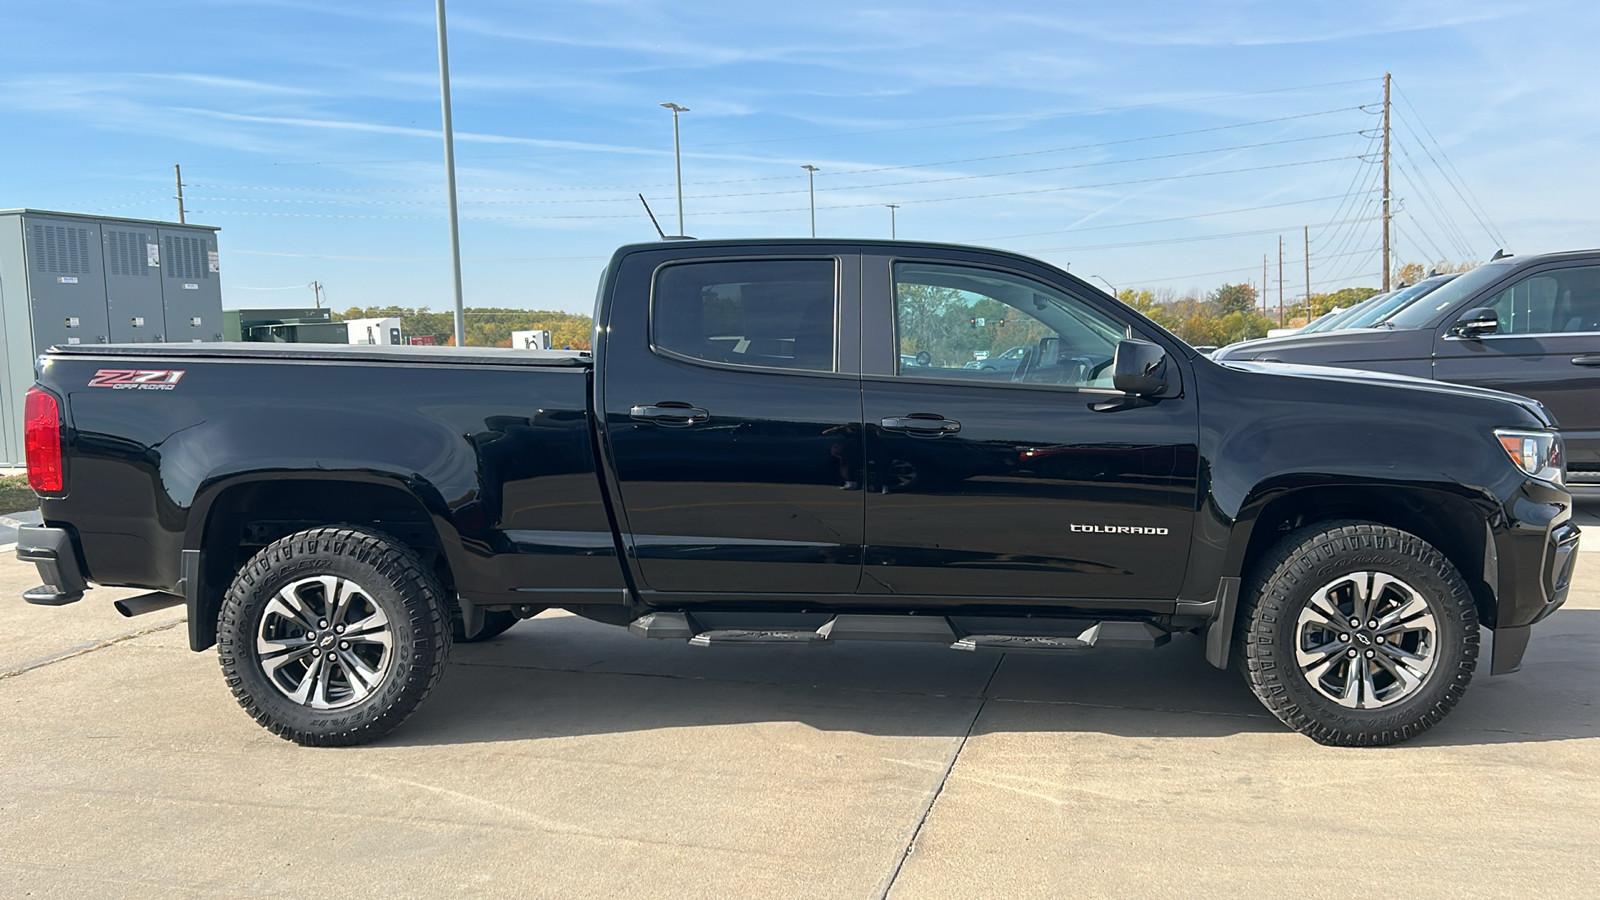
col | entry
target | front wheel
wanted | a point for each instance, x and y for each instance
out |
(333, 636)
(1358, 634)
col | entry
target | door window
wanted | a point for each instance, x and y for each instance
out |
(1555, 302)
(976, 324)
(773, 313)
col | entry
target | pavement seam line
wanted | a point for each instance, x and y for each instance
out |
(933, 798)
(84, 651)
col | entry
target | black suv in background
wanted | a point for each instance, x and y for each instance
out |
(1527, 325)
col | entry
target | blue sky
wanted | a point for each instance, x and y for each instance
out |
(1150, 144)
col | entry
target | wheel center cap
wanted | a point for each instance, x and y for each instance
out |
(1363, 638)
(327, 640)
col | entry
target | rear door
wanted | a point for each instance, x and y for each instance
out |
(1021, 484)
(1547, 348)
(733, 421)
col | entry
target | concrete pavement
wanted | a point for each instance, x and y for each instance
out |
(570, 759)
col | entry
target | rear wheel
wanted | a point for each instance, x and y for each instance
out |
(1358, 634)
(333, 636)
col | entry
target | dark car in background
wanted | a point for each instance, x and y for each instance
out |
(1527, 325)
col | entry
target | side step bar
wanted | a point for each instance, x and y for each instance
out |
(1033, 634)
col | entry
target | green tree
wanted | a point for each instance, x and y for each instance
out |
(1234, 298)
(1413, 272)
(1344, 298)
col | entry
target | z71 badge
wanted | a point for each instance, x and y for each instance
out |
(137, 379)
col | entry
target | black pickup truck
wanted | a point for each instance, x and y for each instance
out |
(783, 442)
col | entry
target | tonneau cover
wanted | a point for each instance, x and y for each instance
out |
(387, 353)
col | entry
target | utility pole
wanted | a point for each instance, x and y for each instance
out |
(1280, 281)
(892, 208)
(450, 174)
(677, 158)
(1263, 284)
(1386, 79)
(1308, 272)
(177, 173)
(811, 184)
(316, 293)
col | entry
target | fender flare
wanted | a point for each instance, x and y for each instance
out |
(204, 599)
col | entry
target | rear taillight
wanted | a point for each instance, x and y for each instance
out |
(42, 440)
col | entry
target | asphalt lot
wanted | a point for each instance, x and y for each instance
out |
(570, 759)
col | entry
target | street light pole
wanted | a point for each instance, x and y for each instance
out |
(811, 185)
(1107, 284)
(450, 175)
(892, 208)
(677, 158)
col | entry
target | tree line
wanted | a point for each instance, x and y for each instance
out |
(485, 326)
(1233, 312)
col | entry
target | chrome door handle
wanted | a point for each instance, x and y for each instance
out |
(924, 424)
(669, 413)
(1586, 360)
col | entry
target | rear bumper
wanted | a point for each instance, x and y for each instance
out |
(1534, 551)
(54, 554)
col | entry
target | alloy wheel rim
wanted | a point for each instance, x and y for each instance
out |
(1366, 640)
(324, 643)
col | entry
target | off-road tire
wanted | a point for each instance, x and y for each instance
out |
(1283, 583)
(495, 623)
(393, 576)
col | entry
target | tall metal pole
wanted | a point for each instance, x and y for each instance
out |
(1386, 79)
(892, 208)
(811, 185)
(177, 172)
(1308, 272)
(450, 175)
(1280, 281)
(677, 158)
(1263, 284)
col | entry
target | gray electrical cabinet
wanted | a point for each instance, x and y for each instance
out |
(190, 284)
(133, 282)
(70, 279)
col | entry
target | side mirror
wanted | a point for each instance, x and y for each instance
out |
(1139, 368)
(1475, 322)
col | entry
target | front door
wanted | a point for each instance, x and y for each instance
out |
(733, 417)
(1547, 347)
(1008, 481)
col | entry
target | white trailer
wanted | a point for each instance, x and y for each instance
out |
(530, 340)
(375, 331)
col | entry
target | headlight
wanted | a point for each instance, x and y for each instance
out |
(1537, 453)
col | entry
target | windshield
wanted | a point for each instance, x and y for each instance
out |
(1337, 320)
(1396, 302)
(1317, 323)
(1419, 314)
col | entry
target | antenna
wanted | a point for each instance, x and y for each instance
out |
(652, 217)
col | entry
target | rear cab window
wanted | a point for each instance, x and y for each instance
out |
(766, 313)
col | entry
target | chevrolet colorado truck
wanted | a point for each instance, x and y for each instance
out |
(748, 458)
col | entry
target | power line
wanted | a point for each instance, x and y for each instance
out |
(862, 187)
(737, 212)
(1250, 268)
(948, 162)
(1434, 206)
(1224, 212)
(1487, 225)
(1055, 115)
(1183, 240)
(1437, 207)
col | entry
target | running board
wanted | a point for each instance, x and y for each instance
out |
(957, 632)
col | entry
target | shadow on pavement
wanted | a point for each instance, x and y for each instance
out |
(560, 676)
